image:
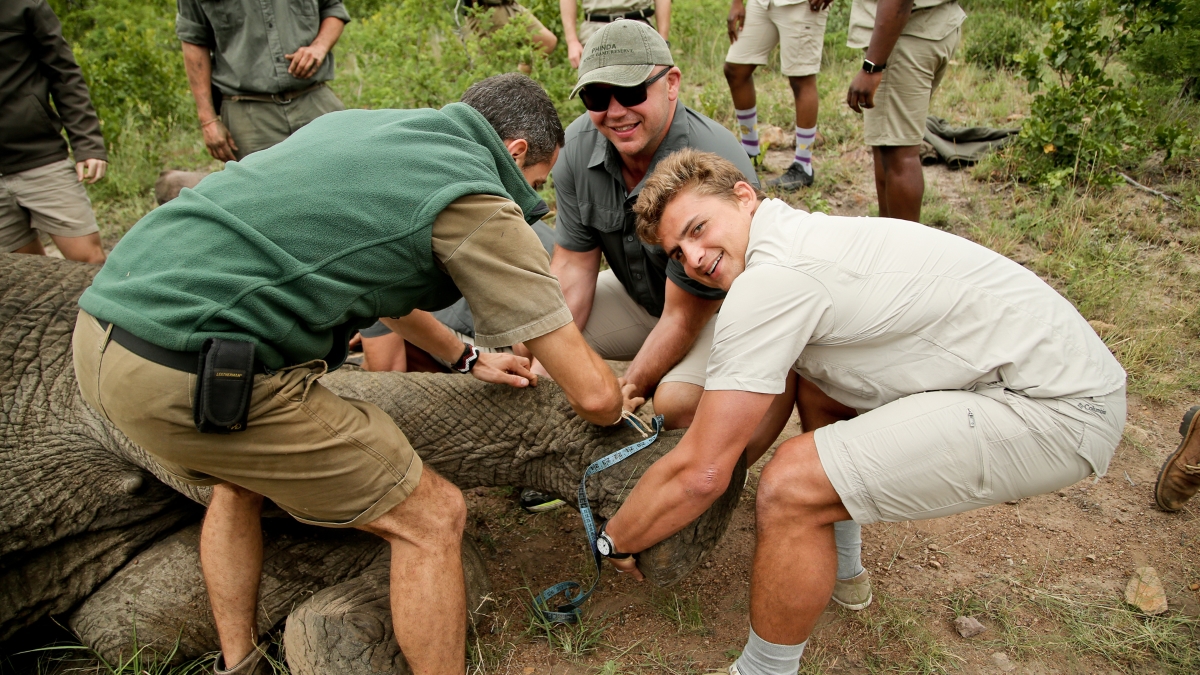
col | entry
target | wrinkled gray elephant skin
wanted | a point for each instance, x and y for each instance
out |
(78, 500)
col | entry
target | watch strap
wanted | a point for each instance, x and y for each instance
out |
(612, 548)
(871, 67)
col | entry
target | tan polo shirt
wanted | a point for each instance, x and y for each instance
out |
(873, 309)
(930, 19)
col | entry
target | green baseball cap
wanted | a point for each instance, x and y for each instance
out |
(622, 54)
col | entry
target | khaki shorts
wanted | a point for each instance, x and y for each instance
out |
(914, 70)
(326, 460)
(799, 32)
(943, 452)
(617, 327)
(258, 125)
(501, 15)
(48, 198)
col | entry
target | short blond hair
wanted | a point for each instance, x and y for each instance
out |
(703, 173)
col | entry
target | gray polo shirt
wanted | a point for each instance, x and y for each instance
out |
(250, 38)
(595, 210)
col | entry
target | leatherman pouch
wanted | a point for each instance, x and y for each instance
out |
(223, 386)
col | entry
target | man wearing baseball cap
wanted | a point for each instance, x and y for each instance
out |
(644, 308)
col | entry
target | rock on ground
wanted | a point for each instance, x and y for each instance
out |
(968, 626)
(1145, 591)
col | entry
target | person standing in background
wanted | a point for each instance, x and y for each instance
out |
(597, 13)
(798, 27)
(41, 189)
(909, 44)
(258, 69)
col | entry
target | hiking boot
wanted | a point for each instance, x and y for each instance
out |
(853, 594)
(538, 502)
(792, 179)
(255, 663)
(1180, 475)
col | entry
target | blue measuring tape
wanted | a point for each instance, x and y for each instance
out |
(569, 612)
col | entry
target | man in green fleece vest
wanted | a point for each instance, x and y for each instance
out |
(416, 209)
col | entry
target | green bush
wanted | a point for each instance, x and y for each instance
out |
(1173, 53)
(995, 41)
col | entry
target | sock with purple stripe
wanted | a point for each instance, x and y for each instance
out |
(804, 141)
(748, 129)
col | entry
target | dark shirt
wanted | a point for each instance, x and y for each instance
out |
(36, 64)
(250, 38)
(594, 209)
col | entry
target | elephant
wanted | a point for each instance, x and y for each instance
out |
(92, 528)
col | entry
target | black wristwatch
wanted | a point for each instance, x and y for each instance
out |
(467, 361)
(604, 544)
(873, 68)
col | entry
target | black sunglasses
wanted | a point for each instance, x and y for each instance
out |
(596, 98)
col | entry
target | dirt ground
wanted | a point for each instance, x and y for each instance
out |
(1045, 575)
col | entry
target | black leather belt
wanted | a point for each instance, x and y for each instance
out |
(642, 14)
(188, 362)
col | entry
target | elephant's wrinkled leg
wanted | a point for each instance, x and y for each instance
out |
(347, 629)
(160, 594)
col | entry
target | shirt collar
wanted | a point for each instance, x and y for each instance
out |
(604, 153)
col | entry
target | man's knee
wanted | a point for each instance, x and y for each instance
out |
(788, 490)
(802, 84)
(435, 513)
(738, 73)
(677, 403)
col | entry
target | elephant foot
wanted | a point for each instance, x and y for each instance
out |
(347, 628)
(158, 600)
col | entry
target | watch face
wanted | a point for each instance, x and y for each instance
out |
(603, 546)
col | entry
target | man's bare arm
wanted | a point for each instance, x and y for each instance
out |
(590, 385)
(890, 18)
(197, 61)
(306, 60)
(568, 9)
(662, 18)
(682, 484)
(576, 273)
(684, 316)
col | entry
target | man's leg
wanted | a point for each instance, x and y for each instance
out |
(740, 77)
(32, 248)
(903, 184)
(384, 352)
(82, 249)
(428, 597)
(804, 91)
(231, 555)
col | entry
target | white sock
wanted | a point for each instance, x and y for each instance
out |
(848, 536)
(764, 658)
(748, 129)
(804, 141)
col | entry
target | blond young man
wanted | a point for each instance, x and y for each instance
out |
(942, 377)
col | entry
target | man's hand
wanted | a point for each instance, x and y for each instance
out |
(862, 90)
(628, 566)
(818, 5)
(631, 396)
(306, 60)
(91, 169)
(736, 20)
(574, 52)
(220, 143)
(507, 369)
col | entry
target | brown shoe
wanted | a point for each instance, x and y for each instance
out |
(1180, 475)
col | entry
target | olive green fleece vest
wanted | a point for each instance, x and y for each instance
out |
(295, 246)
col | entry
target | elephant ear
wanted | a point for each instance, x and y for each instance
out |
(669, 561)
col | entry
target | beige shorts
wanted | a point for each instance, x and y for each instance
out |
(501, 15)
(617, 327)
(799, 32)
(914, 70)
(326, 460)
(943, 452)
(48, 198)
